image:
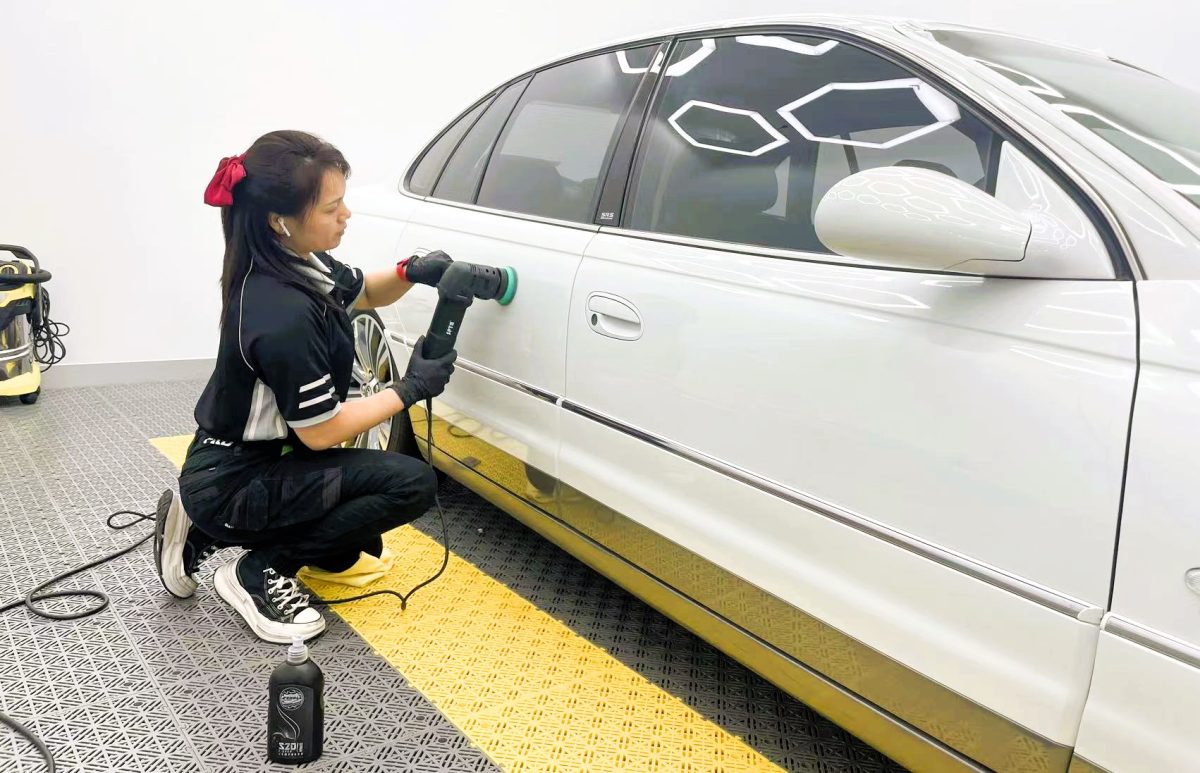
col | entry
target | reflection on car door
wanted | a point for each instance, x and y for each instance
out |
(519, 189)
(907, 480)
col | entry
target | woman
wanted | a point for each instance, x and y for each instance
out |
(263, 471)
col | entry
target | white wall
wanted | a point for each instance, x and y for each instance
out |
(116, 113)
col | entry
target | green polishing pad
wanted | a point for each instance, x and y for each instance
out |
(510, 289)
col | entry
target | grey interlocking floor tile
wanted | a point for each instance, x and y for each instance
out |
(158, 685)
(153, 684)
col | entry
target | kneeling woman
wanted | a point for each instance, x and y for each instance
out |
(264, 471)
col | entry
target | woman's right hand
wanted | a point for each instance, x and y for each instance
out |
(427, 269)
(424, 378)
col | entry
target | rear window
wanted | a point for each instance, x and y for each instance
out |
(425, 176)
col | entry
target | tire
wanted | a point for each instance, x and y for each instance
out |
(32, 397)
(395, 434)
(374, 370)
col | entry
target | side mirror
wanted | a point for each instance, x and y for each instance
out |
(918, 218)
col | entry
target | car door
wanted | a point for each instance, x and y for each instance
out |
(518, 188)
(908, 480)
(1143, 709)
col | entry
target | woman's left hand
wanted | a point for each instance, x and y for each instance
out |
(427, 269)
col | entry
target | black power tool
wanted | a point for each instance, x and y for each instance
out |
(460, 285)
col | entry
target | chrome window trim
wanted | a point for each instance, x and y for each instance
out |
(818, 258)
(591, 227)
(1130, 631)
(1058, 602)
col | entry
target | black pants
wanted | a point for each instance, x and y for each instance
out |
(300, 507)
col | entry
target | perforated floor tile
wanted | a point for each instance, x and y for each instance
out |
(155, 684)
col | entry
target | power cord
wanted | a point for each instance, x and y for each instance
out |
(40, 593)
(48, 347)
(437, 500)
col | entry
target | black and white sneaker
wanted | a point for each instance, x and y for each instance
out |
(179, 548)
(270, 603)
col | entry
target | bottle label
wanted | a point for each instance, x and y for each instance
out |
(292, 723)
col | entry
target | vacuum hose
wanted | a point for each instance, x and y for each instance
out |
(459, 287)
(10, 279)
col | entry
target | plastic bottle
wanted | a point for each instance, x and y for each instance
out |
(296, 715)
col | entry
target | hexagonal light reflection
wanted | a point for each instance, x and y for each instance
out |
(623, 63)
(778, 139)
(941, 108)
(682, 67)
(785, 44)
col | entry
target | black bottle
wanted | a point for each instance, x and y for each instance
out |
(296, 715)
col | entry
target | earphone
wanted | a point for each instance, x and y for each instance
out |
(286, 232)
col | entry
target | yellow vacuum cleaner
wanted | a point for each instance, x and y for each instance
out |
(22, 321)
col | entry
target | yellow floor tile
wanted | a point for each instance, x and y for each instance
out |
(525, 688)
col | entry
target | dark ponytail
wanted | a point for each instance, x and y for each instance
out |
(284, 171)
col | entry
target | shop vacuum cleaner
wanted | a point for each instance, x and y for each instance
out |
(29, 341)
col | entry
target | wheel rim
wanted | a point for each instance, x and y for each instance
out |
(371, 373)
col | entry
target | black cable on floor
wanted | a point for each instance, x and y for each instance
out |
(39, 593)
(437, 500)
(404, 597)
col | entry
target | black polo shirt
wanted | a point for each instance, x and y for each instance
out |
(284, 358)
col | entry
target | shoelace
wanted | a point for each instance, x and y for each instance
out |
(204, 556)
(284, 592)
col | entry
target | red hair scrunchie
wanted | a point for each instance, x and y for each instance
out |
(230, 172)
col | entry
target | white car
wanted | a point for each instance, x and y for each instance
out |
(868, 350)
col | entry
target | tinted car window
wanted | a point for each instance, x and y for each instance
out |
(461, 177)
(550, 158)
(751, 131)
(430, 166)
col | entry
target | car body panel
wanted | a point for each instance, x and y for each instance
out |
(777, 438)
(1143, 711)
(1160, 534)
(861, 380)
(511, 341)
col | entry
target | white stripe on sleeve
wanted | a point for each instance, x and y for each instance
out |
(315, 384)
(316, 400)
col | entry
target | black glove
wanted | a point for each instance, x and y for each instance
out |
(427, 269)
(424, 378)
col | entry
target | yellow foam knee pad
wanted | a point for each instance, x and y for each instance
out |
(367, 569)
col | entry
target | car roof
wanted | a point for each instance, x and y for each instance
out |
(884, 24)
(889, 27)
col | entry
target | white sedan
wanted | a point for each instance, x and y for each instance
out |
(868, 350)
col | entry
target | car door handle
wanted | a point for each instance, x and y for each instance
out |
(614, 317)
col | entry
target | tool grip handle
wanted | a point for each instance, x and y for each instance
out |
(443, 328)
